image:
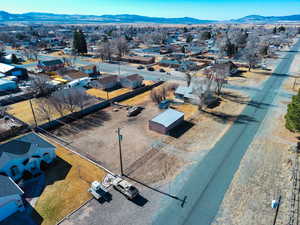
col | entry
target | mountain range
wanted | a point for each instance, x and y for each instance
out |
(36, 17)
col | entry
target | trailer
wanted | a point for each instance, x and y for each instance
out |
(98, 191)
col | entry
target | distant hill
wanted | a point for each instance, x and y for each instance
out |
(35, 17)
(267, 19)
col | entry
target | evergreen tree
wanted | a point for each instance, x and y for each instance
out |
(79, 42)
(292, 117)
(14, 59)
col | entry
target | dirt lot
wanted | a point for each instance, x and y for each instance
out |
(148, 155)
(67, 182)
(250, 78)
(95, 136)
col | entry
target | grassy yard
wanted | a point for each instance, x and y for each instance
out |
(139, 99)
(23, 112)
(67, 183)
(103, 94)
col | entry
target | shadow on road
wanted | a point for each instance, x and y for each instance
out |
(225, 118)
(243, 100)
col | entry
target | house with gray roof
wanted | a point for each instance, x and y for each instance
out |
(25, 154)
(166, 121)
(10, 197)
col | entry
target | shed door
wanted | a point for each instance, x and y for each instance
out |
(7, 210)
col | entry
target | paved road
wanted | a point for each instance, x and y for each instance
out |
(112, 68)
(211, 178)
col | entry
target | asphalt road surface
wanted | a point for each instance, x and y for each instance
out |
(209, 181)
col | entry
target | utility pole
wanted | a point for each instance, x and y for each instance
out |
(120, 150)
(33, 113)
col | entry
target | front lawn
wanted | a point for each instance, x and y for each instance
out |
(67, 181)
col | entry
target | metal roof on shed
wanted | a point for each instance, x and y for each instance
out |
(168, 117)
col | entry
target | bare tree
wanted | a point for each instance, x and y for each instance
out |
(40, 86)
(159, 94)
(57, 103)
(82, 98)
(105, 51)
(221, 72)
(202, 89)
(121, 46)
(68, 97)
(251, 52)
(44, 109)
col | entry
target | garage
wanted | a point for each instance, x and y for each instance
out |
(166, 121)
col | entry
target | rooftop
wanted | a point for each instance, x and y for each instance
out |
(8, 187)
(23, 146)
(168, 117)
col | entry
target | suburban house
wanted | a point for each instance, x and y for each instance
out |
(50, 65)
(107, 82)
(91, 70)
(9, 70)
(166, 121)
(25, 154)
(138, 59)
(132, 81)
(22, 155)
(10, 197)
(72, 74)
(185, 94)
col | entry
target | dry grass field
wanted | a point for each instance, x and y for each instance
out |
(107, 95)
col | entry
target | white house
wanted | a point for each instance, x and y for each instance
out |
(25, 153)
(10, 197)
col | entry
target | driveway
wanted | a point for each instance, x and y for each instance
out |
(119, 211)
(210, 179)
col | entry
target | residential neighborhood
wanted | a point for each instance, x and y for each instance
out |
(130, 120)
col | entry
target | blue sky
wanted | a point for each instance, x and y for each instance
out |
(202, 9)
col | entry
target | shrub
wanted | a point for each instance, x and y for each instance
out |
(292, 118)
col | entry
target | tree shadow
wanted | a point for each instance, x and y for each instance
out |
(244, 100)
(181, 129)
(224, 118)
(76, 125)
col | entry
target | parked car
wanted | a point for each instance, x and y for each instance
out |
(151, 69)
(162, 70)
(140, 67)
(125, 188)
(133, 111)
